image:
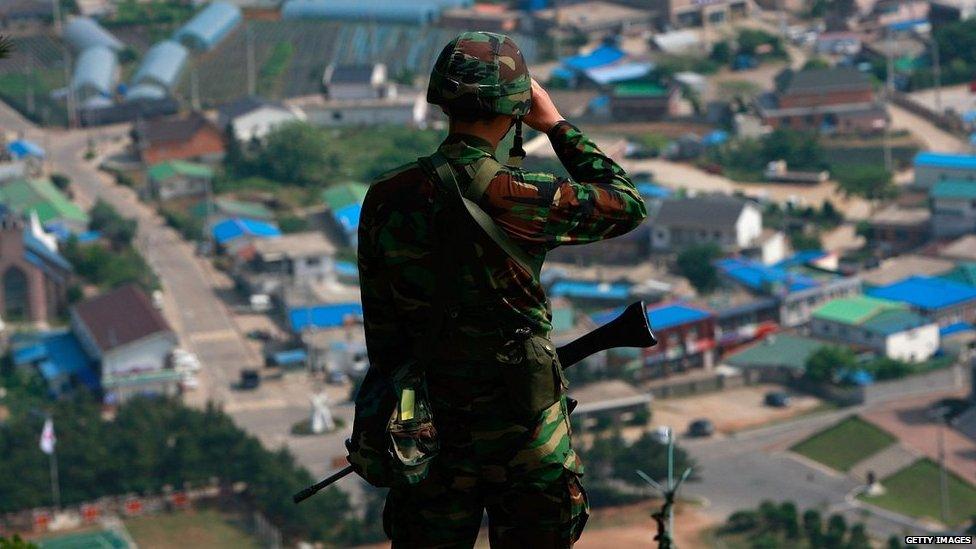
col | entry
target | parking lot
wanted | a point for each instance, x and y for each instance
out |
(730, 410)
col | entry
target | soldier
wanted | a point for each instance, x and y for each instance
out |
(463, 409)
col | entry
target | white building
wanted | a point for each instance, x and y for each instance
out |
(406, 108)
(953, 203)
(254, 118)
(884, 326)
(349, 82)
(932, 167)
(130, 340)
(729, 222)
(306, 256)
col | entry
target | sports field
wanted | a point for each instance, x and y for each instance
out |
(846, 443)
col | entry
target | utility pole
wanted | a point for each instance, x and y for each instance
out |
(70, 98)
(56, 9)
(889, 91)
(937, 70)
(943, 475)
(251, 79)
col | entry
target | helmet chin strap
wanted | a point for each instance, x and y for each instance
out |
(516, 154)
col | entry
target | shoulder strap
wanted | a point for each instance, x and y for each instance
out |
(481, 172)
(442, 169)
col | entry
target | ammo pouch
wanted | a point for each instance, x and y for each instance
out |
(532, 374)
(413, 438)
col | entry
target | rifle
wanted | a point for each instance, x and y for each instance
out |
(630, 329)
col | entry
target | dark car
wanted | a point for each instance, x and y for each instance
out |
(250, 379)
(260, 335)
(777, 399)
(701, 428)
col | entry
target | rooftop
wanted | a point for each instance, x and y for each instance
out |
(591, 289)
(926, 293)
(945, 160)
(233, 208)
(954, 189)
(304, 244)
(894, 321)
(855, 310)
(41, 196)
(964, 273)
(777, 351)
(963, 247)
(324, 316)
(640, 89)
(706, 212)
(896, 215)
(236, 227)
(830, 80)
(599, 57)
(241, 106)
(120, 317)
(343, 194)
(899, 267)
(170, 168)
(167, 130)
(758, 277)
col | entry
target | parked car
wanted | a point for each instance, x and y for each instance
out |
(777, 399)
(250, 379)
(701, 428)
(260, 335)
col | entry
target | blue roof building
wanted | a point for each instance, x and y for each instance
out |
(234, 228)
(932, 167)
(22, 148)
(59, 358)
(943, 300)
(762, 278)
(96, 72)
(620, 72)
(321, 317)
(417, 12)
(600, 57)
(82, 33)
(162, 65)
(590, 290)
(210, 26)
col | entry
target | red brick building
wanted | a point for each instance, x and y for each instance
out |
(178, 138)
(832, 100)
(33, 278)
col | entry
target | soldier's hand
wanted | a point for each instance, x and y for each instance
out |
(543, 115)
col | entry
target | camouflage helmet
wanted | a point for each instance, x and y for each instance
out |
(481, 71)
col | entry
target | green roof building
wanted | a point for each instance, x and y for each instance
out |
(225, 208)
(889, 328)
(965, 273)
(954, 189)
(644, 101)
(179, 178)
(953, 204)
(344, 194)
(43, 198)
(782, 354)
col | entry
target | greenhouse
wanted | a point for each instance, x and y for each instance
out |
(95, 72)
(210, 26)
(162, 65)
(421, 12)
(82, 33)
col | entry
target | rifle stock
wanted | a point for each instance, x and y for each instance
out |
(630, 329)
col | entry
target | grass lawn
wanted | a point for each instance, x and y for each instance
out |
(915, 491)
(200, 528)
(846, 443)
(84, 540)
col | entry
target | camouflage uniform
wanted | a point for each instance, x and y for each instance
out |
(499, 451)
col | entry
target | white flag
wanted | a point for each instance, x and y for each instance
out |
(48, 439)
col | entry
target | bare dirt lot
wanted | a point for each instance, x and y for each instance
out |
(730, 410)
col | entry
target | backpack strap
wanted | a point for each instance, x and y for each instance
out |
(483, 175)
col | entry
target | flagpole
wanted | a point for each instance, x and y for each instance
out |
(55, 487)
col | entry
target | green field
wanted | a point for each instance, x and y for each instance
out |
(201, 528)
(915, 491)
(102, 539)
(846, 443)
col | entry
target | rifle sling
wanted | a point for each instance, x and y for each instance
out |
(484, 173)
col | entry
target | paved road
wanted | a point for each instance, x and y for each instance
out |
(742, 470)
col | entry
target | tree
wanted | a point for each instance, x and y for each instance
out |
(824, 365)
(836, 530)
(16, 543)
(742, 521)
(722, 52)
(800, 150)
(105, 219)
(858, 538)
(805, 241)
(296, 153)
(868, 181)
(883, 368)
(61, 181)
(6, 47)
(813, 527)
(816, 63)
(696, 264)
